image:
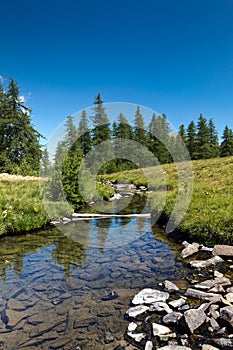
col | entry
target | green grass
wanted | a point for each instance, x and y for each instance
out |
(209, 217)
(22, 209)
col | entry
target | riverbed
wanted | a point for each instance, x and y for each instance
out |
(54, 285)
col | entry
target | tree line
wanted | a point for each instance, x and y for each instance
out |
(21, 150)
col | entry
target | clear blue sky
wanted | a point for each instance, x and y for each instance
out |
(174, 56)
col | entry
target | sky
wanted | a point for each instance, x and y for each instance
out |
(172, 56)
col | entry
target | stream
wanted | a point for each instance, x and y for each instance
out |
(53, 288)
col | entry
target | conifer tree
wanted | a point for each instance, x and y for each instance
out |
(71, 131)
(84, 135)
(191, 142)
(20, 148)
(213, 136)
(226, 148)
(140, 134)
(203, 139)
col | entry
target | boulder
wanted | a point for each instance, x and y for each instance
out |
(194, 318)
(170, 286)
(137, 310)
(226, 313)
(158, 329)
(223, 250)
(222, 281)
(172, 317)
(189, 249)
(206, 263)
(149, 296)
(203, 295)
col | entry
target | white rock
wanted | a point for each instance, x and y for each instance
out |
(149, 296)
(174, 347)
(189, 249)
(218, 274)
(149, 345)
(132, 326)
(177, 303)
(158, 329)
(137, 310)
(138, 337)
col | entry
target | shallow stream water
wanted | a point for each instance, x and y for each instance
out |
(52, 284)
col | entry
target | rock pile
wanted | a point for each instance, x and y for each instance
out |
(197, 317)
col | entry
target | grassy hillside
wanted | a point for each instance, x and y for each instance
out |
(210, 215)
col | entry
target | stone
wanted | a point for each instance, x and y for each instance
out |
(218, 274)
(132, 326)
(138, 337)
(206, 263)
(230, 290)
(206, 249)
(14, 317)
(174, 347)
(226, 313)
(149, 296)
(202, 295)
(148, 345)
(214, 324)
(194, 318)
(177, 303)
(229, 297)
(223, 250)
(217, 289)
(108, 337)
(223, 342)
(160, 307)
(158, 329)
(170, 286)
(189, 249)
(208, 347)
(213, 311)
(222, 281)
(172, 317)
(137, 310)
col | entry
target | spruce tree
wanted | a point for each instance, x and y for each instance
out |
(20, 147)
(71, 131)
(140, 134)
(226, 148)
(213, 136)
(191, 142)
(84, 135)
(203, 139)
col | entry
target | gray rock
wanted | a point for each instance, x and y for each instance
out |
(108, 337)
(158, 329)
(217, 289)
(226, 313)
(203, 295)
(149, 296)
(206, 263)
(213, 311)
(137, 310)
(177, 303)
(214, 324)
(229, 297)
(189, 249)
(222, 281)
(149, 345)
(223, 342)
(223, 250)
(170, 286)
(194, 318)
(230, 290)
(208, 347)
(172, 317)
(174, 347)
(218, 274)
(160, 306)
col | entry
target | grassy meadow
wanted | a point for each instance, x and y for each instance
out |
(209, 218)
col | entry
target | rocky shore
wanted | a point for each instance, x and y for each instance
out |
(199, 316)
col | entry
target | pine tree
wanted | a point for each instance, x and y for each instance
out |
(226, 148)
(84, 135)
(101, 133)
(140, 134)
(203, 139)
(191, 142)
(20, 147)
(213, 136)
(71, 131)
(182, 132)
(46, 166)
